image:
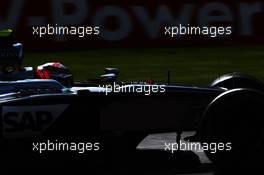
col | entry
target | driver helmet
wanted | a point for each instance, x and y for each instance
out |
(55, 71)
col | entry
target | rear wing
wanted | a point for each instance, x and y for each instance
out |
(6, 37)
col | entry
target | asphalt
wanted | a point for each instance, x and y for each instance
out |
(185, 162)
(150, 159)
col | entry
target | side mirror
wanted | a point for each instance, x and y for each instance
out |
(112, 71)
(108, 78)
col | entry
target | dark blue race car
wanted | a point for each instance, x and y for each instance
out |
(45, 102)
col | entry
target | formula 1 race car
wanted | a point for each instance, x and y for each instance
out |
(50, 105)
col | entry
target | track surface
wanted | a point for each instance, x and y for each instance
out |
(187, 162)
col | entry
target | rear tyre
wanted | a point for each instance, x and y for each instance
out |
(235, 119)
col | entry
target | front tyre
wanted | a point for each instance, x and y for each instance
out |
(235, 117)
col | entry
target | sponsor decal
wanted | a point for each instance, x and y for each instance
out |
(130, 21)
(27, 121)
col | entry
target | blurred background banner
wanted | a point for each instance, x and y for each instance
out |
(132, 23)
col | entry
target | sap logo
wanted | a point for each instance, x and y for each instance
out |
(28, 121)
(34, 121)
